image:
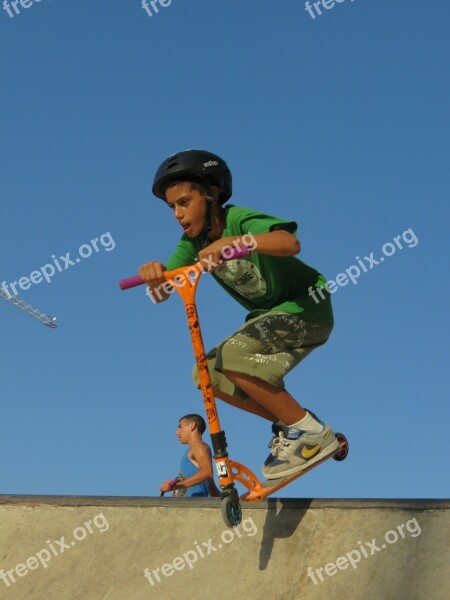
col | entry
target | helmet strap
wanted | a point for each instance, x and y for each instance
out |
(208, 226)
(210, 198)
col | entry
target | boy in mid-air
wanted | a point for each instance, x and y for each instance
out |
(284, 323)
(196, 472)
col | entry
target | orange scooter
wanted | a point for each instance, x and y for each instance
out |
(185, 281)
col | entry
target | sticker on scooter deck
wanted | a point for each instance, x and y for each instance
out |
(270, 486)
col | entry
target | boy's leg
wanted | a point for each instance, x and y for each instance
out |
(303, 440)
(268, 347)
(249, 405)
(273, 400)
(256, 359)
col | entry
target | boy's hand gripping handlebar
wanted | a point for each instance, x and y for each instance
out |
(130, 282)
(171, 484)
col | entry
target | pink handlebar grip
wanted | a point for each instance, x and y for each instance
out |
(171, 484)
(236, 253)
(130, 282)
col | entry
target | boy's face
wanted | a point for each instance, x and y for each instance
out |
(189, 208)
(184, 431)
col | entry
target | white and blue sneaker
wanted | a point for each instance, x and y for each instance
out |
(293, 450)
(273, 444)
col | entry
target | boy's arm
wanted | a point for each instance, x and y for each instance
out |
(202, 455)
(277, 243)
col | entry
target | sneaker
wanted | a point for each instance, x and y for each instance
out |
(273, 444)
(294, 450)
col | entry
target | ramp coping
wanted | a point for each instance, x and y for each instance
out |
(214, 503)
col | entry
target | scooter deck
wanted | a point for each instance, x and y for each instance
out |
(270, 486)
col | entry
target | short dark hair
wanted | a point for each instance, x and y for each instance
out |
(196, 184)
(197, 419)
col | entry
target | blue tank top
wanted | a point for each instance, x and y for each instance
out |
(187, 469)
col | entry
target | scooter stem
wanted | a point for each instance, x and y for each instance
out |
(185, 281)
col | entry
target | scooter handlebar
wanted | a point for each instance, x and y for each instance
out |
(171, 484)
(131, 282)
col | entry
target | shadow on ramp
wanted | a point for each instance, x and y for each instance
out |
(280, 523)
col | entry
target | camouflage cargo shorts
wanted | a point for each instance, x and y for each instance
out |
(266, 347)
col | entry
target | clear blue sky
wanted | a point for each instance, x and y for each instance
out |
(338, 122)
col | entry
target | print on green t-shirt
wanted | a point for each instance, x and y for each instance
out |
(261, 282)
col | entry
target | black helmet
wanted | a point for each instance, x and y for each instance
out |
(198, 165)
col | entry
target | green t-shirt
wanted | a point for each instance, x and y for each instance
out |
(261, 282)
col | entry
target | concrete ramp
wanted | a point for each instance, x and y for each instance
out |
(80, 548)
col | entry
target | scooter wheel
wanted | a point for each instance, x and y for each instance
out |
(231, 513)
(343, 451)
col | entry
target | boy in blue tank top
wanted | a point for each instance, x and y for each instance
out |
(285, 322)
(196, 471)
